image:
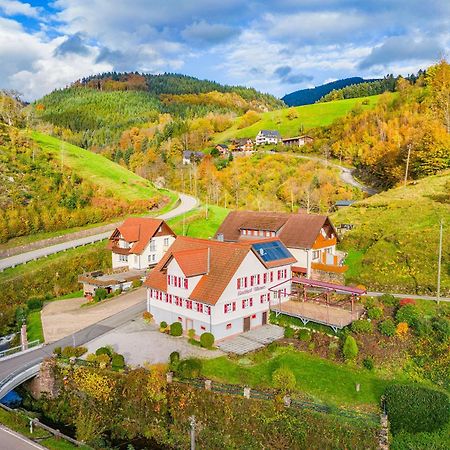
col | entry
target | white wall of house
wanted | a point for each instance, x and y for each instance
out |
(223, 324)
(150, 256)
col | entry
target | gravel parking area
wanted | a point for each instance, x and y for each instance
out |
(140, 342)
(63, 317)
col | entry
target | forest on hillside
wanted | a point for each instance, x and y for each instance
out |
(414, 121)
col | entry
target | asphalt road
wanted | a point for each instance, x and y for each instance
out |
(187, 203)
(10, 440)
(34, 357)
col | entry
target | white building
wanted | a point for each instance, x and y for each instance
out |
(311, 239)
(217, 287)
(140, 243)
(265, 137)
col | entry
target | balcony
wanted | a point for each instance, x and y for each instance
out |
(330, 263)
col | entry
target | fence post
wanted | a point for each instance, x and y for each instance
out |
(357, 387)
(169, 377)
(247, 392)
(208, 385)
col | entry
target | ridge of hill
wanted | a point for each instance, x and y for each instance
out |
(311, 95)
(296, 120)
(394, 243)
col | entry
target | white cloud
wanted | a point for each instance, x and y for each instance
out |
(33, 68)
(14, 8)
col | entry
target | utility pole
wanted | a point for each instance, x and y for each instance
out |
(438, 293)
(192, 422)
(407, 164)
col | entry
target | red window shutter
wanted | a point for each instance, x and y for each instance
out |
(251, 302)
(234, 306)
(262, 298)
(243, 304)
(265, 278)
(268, 296)
(238, 283)
(271, 276)
(259, 279)
(185, 283)
(225, 309)
(251, 280)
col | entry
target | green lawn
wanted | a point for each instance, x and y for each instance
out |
(308, 116)
(320, 379)
(34, 326)
(197, 225)
(98, 169)
(394, 243)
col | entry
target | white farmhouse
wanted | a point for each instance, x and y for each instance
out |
(265, 137)
(139, 243)
(218, 287)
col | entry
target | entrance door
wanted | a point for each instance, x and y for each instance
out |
(264, 318)
(246, 323)
(189, 325)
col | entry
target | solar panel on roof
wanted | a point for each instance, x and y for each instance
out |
(271, 251)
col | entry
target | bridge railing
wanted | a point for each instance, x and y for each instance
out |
(18, 349)
(19, 376)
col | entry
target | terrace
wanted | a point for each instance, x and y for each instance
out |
(328, 304)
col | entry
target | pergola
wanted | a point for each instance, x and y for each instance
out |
(320, 310)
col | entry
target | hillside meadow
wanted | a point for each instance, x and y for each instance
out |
(394, 242)
(296, 120)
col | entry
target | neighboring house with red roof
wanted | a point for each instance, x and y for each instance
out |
(219, 287)
(140, 243)
(311, 238)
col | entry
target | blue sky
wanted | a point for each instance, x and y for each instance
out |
(275, 46)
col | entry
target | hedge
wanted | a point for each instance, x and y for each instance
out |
(415, 409)
(362, 326)
(189, 368)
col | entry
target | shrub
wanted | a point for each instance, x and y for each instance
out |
(441, 326)
(402, 329)
(117, 361)
(371, 302)
(148, 317)
(176, 329)
(375, 313)
(423, 327)
(207, 340)
(103, 360)
(34, 304)
(368, 363)
(100, 294)
(284, 379)
(387, 327)
(57, 351)
(191, 333)
(190, 368)
(406, 301)
(362, 326)
(350, 349)
(174, 360)
(70, 352)
(388, 300)
(304, 335)
(104, 351)
(414, 408)
(289, 332)
(408, 314)
(136, 283)
(163, 324)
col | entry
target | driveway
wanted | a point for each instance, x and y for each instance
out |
(140, 342)
(64, 317)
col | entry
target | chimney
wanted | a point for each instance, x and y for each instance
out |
(220, 237)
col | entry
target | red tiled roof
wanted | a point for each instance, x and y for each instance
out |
(224, 260)
(138, 231)
(295, 230)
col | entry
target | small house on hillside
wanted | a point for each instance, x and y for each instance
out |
(192, 157)
(242, 145)
(265, 137)
(219, 287)
(310, 238)
(298, 141)
(222, 149)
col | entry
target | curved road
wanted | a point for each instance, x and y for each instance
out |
(187, 203)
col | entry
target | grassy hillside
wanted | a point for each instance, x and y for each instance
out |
(98, 169)
(197, 225)
(394, 243)
(290, 121)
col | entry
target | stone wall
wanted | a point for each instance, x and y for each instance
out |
(44, 382)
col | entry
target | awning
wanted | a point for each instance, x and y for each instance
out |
(329, 286)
